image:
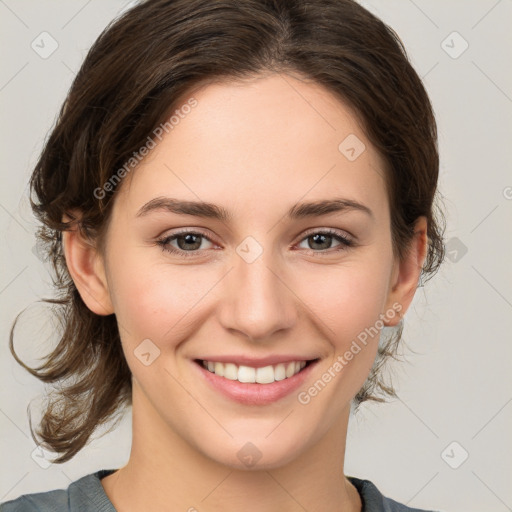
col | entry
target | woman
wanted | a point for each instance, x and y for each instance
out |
(237, 198)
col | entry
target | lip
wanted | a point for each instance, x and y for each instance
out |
(254, 393)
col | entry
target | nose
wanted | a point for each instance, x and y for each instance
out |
(257, 302)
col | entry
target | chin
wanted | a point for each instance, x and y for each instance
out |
(254, 453)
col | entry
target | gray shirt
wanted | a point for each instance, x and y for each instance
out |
(87, 495)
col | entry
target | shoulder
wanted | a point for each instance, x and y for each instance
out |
(374, 501)
(56, 501)
(85, 494)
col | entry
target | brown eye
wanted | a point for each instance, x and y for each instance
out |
(321, 241)
(188, 243)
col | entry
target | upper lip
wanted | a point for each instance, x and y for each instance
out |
(256, 362)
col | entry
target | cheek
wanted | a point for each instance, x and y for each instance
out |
(348, 298)
(350, 304)
(156, 300)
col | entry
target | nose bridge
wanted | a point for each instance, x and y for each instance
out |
(259, 303)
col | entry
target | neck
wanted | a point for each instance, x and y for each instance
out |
(164, 472)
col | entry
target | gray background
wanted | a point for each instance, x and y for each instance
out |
(454, 388)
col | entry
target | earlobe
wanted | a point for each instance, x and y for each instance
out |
(86, 267)
(407, 272)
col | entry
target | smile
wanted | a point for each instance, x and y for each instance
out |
(264, 375)
(251, 385)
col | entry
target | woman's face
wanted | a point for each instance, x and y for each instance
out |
(260, 286)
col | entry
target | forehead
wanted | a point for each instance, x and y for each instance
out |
(254, 144)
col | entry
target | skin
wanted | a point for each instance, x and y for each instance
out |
(256, 148)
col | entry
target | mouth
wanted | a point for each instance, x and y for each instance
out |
(260, 375)
(255, 385)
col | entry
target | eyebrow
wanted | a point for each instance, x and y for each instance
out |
(213, 211)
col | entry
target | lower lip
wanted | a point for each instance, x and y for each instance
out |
(254, 393)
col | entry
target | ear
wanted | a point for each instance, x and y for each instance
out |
(86, 267)
(406, 273)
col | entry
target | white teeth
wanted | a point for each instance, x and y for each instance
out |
(280, 372)
(219, 369)
(246, 374)
(290, 369)
(264, 375)
(230, 371)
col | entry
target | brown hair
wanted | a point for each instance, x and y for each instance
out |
(134, 74)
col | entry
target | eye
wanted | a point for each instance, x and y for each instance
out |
(319, 241)
(188, 243)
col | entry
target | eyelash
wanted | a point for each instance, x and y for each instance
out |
(164, 242)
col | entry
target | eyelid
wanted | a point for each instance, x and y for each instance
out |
(199, 231)
(346, 241)
(330, 231)
(185, 231)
